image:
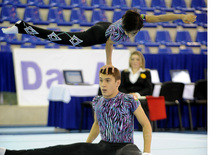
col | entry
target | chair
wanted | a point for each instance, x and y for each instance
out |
(97, 16)
(172, 92)
(97, 47)
(104, 6)
(31, 2)
(178, 4)
(86, 104)
(52, 45)
(14, 3)
(201, 19)
(119, 4)
(3, 36)
(163, 37)
(13, 15)
(75, 16)
(38, 41)
(78, 17)
(38, 3)
(181, 5)
(5, 48)
(201, 37)
(198, 4)
(141, 4)
(200, 98)
(9, 13)
(37, 20)
(74, 47)
(183, 37)
(203, 50)
(187, 50)
(144, 38)
(32, 39)
(52, 15)
(76, 30)
(100, 4)
(27, 38)
(80, 4)
(119, 46)
(60, 18)
(28, 45)
(28, 14)
(144, 50)
(117, 15)
(166, 50)
(33, 15)
(5, 13)
(12, 39)
(129, 43)
(53, 3)
(160, 5)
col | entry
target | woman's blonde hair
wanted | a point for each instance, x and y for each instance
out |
(143, 62)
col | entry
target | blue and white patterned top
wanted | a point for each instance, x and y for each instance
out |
(116, 33)
(115, 117)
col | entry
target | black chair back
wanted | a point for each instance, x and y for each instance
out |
(200, 92)
(172, 90)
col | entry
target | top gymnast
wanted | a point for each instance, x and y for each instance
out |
(102, 32)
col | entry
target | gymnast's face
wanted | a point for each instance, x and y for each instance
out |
(131, 34)
(108, 85)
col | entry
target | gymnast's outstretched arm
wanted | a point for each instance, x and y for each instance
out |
(170, 17)
(95, 130)
(109, 49)
(147, 129)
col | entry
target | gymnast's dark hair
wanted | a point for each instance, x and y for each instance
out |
(132, 20)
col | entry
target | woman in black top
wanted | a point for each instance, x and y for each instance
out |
(137, 79)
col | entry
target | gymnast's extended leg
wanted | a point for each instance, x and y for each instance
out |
(71, 149)
(94, 35)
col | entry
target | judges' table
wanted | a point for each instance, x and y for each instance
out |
(65, 105)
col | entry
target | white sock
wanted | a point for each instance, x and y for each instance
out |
(10, 30)
(2, 151)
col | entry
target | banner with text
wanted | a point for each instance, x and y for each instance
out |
(37, 69)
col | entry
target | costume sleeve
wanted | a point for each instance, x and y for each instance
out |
(113, 33)
(116, 33)
(134, 102)
(95, 101)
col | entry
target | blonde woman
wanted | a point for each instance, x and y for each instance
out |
(136, 80)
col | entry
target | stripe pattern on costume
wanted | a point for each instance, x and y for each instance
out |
(115, 117)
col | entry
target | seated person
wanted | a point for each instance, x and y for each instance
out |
(113, 120)
(136, 80)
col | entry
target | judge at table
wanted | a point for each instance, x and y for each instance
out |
(136, 80)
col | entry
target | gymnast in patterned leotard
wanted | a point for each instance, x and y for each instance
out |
(114, 120)
(102, 32)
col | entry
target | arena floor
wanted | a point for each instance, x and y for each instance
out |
(163, 143)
